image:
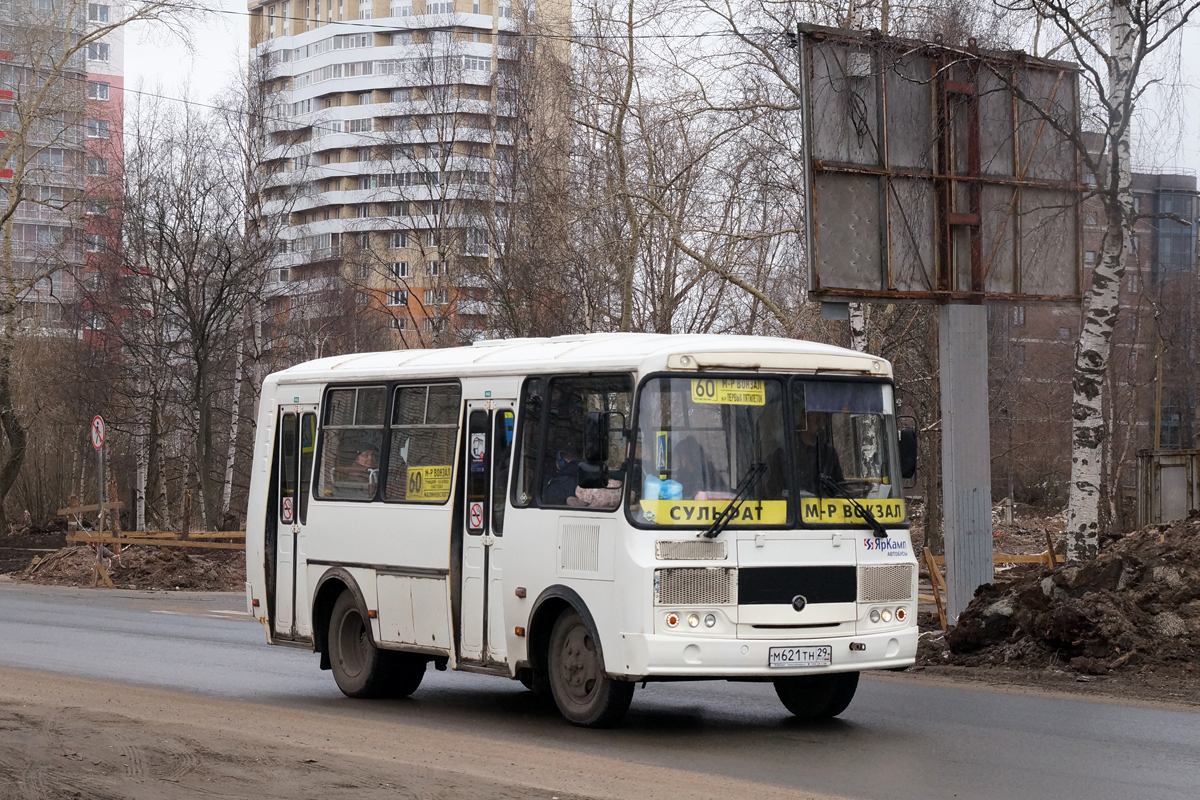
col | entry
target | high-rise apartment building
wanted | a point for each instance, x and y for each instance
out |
(60, 144)
(393, 130)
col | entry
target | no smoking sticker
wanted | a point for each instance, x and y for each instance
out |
(287, 509)
(476, 515)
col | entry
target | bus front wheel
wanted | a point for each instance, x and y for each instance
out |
(582, 692)
(817, 696)
(360, 668)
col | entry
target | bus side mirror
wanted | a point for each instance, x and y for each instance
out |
(908, 452)
(593, 469)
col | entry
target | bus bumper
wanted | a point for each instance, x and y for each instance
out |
(650, 655)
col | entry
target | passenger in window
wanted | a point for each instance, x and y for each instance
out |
(694, 472)
(561, 488)
(816, 454)
(361, 476)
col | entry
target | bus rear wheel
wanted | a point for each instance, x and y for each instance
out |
(360, 668)
(817, 696)
(582, 692)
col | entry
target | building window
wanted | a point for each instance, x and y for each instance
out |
(399, 239)
(433, 268)
(363, 240)
(433, 325)
(1018, 315)
(364, 154)
(96, 242)
(364, 99)
(1133, 283)
(397, 297)
(364, 9)
(97, 90)
(1089, 257)
(403, 10)
(1131, 244)
(435, 297)
(439, 7)
(97, 51)
(96, 209)
(401, 95)
(399, 270)
(400, 208)
(400, 323)
(359, 125)
(1064, 334)
(97, 12)
(362, 210)
(97, 129)
(97, 166)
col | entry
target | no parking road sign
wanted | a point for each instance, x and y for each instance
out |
(97, 432)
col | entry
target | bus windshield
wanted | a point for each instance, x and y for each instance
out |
(830, 447)
(699, 439)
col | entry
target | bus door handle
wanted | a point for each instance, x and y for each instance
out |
(488, 540)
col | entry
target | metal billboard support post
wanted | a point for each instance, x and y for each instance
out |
(966, 452)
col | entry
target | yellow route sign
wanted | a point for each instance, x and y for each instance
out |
(729, 391)
(428, 483)
(839, 511)
(703, 512)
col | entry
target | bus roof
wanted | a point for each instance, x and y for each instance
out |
(593, 352)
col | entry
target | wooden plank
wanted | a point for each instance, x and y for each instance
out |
(218, 535)
(62, 512)
(938, 584)
(1004, 558)
(85, 539)
(98, 572)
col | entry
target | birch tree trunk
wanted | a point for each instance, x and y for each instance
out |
(235, 413)
(1100, 310)
(858, 327)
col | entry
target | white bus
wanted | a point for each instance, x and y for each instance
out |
(585, 513)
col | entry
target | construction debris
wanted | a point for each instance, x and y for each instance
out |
(142, 567)
(1135, 607)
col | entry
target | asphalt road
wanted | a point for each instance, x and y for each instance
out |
(897, 740)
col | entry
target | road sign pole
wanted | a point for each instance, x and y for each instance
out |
(966, 452)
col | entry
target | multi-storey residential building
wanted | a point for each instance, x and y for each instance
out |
(60, 135)
(103, 129)
(394, 134)
(1154, 372)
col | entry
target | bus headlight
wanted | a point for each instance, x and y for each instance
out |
(672, 619)
(709, 621)
(874, 615)
(693, 620)
(885, 615)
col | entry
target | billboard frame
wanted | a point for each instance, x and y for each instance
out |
(954, 239)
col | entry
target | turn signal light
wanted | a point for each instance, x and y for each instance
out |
(672, 619)
(901, 615)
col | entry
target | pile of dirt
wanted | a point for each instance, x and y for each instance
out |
(1135, 607)
(142, 567)
(17, 548)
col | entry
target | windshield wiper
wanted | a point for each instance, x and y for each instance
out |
(722, 520)
(836, 488)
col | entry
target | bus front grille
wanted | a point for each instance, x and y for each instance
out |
(692, 550)
(703, 586)
(885, 583)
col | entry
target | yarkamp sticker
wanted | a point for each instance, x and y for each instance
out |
(729, 392)
(702, 512)
(838, 511)
(428, 483)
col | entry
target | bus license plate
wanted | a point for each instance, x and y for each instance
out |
(813, 656)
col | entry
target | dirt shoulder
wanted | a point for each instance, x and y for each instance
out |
(74, 737)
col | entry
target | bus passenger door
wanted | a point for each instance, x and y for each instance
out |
(488, 447)
(294, 453)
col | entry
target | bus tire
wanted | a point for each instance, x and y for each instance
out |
(585, 696)
(817, 696)
(404, 672)
(360, 669)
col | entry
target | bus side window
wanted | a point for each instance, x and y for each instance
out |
(424, 431)
(572, 400)
(352, 440)
(502, 442)
(308, 440)
(287, 471)
(530, 447)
